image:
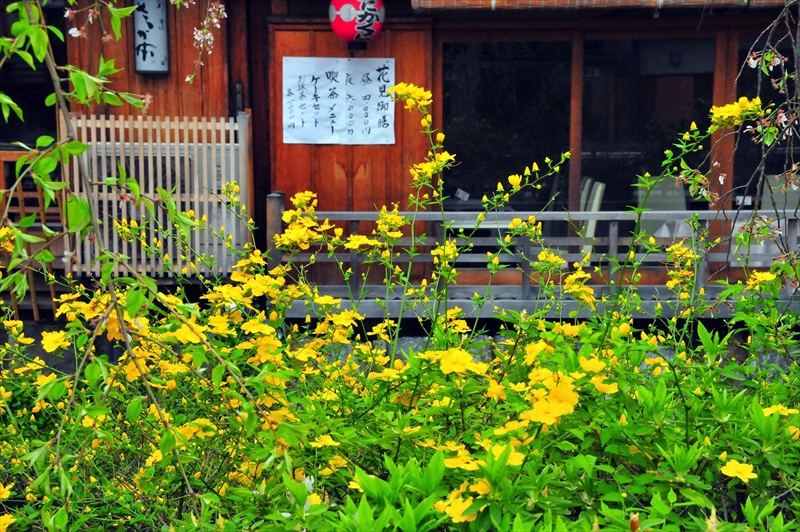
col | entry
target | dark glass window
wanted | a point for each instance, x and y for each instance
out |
(753, 82)
(638, 95)
(506, 105)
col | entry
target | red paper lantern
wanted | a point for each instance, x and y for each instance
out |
(356, 20)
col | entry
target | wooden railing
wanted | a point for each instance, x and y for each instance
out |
(615, 243)
(189, 157)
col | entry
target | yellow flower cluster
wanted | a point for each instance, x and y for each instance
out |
(413, 96)
(575, 285)
(756, 279)
(7, 238)
(733, 114)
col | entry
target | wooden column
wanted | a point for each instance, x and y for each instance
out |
(576, 122)
(726, 69)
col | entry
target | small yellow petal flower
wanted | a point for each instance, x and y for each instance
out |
(743, 472)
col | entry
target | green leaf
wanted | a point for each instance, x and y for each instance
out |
(134, 302)
(92, 373)
(658, 504)
(44, 256)
(78, 86)
(76, 148)
(56, 32)
(106, 271)
(61, 518)
(45, 165)
(167, 443)
(20, 164)
(7, 105)
(32, 239)
(671, 497)
(116, 23)
(116, 18)
(44, 141)
(28, 58)
(78, 214)
(432, 477)
(27, 221)
(39, 42)
(216, 375)
(111, 99)
(134, 409)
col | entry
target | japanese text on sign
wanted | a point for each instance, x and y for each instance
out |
(151, 44)
(329, 100)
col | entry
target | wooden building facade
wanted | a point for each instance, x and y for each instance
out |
(513, 81)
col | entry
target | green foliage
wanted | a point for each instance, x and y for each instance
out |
(223, 415)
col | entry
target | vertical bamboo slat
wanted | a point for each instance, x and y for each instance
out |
(188, 156)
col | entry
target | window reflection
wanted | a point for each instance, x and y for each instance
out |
(506, 105)
(638, 95)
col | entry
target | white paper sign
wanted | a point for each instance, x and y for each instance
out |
(331, 100)
(151, 38)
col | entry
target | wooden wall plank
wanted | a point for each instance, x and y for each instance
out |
(370, 168)
(351, 177)
(171, 94)
(411, 49)
(331, 176)
(292, 163)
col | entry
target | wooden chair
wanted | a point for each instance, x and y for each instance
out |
(665, 196)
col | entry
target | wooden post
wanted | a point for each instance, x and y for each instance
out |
(613, 239)
(575, 124)
(275, 206)
(355, 282)
(526, 269)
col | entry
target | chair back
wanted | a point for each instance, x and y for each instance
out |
(665, 196)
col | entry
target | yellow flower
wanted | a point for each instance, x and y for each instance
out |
(623, 420)
(53, 341)
(495, 391)
(459, 361)
(756, 278)
(5, 521)
(515, 180)
(514, 459)
(5, 491)
(533, 350)
(779, 409)
(481, 487)
(440, 137)
(414, 97)
(3, 396)
(743, 472)
(602, 386)
(41, 380)
(464, 462)
(324, 441)
(592, 365)
(456, 510)
(723, 455)
(546, 412)
(794, 432)
(550, 258)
